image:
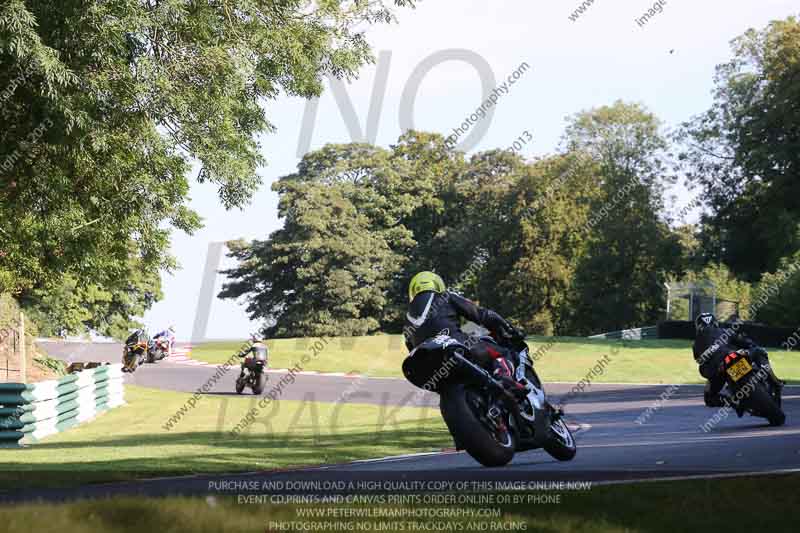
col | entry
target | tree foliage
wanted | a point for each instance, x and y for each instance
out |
(744, 153)
(631, 251)
(777, 295)
(514, 235)
(106, 106)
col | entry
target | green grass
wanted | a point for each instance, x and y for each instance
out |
(730, 505)
(130, 441)
(569, 359)
(377, 355)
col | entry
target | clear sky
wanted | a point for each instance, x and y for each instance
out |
(667, 65)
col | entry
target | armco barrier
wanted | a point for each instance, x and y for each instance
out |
(28, 413)
(635, 334)
(770, 337)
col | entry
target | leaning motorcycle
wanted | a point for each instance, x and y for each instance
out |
(482, 416)
(134, 354)
(753, 386)
(158, 350)
(254, 370)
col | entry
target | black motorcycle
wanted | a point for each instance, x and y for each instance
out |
(135, 351)
(254, 369)
(753, 386)
(482, 416)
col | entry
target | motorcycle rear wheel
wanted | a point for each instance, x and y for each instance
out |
(260, 384)
(487, 447)
(763, 405)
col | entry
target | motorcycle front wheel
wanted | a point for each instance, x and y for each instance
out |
(260, 384)
(560, 443)
(464, 412)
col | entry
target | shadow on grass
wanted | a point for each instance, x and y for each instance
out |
(217, 452)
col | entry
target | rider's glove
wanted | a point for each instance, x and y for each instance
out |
(511, 333)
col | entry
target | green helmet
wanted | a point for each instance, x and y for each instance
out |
(425, 281)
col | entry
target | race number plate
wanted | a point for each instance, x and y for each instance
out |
(739, 370)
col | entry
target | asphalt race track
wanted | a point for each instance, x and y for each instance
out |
(612, 446)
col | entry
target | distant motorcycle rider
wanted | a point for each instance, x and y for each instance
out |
(257, 348)
(168, 334)
(712, 343)
(136, 344)
(433, 310)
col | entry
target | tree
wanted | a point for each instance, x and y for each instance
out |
(403, 204)
(775, 298)
(726, 288)
(108, 306)
(435, 217)
(107, 104)
(691, 249)
(744, 153)
(324, 273)
(630, 251)
(524, 230)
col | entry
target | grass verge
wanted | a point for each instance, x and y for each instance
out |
(131, 442)
(563, 358)
(731, 505)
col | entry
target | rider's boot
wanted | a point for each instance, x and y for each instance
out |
(716, 400)
(713, 397)
(722, 400)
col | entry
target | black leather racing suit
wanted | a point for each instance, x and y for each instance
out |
(710, 347)
(431, 313)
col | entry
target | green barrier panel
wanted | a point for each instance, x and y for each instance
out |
(12, 399)
(60, 426)
(62, 389)
(66, 415)
(69, 396)
(20, 403)
(65, 403)
(61, 408)
(100, 370)
(61, 421)
(12, 411)
(69, 378)
(27, 407)
(11, 423)
(12, 387)
(101, 398)
(10, 439)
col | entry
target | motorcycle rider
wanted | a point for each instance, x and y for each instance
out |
(260, 353)
(168, 334)
(434, 310)
(256, 348)
(712, 343)
(137, 337)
